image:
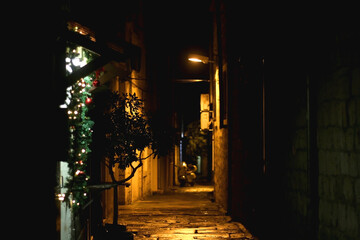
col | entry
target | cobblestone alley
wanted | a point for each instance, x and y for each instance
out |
(184, 213)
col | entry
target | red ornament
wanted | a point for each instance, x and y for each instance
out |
(88, 100)
(79, 172)
(98, 72)
(96, 83)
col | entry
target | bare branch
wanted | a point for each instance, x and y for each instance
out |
(132, 174)
(147, 156)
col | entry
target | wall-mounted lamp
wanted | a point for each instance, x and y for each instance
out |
(199, 58)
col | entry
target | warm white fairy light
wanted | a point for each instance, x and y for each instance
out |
(78, 95)
(61, 196)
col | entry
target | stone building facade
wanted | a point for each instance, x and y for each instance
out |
(288, 156)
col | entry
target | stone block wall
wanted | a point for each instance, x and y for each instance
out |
(297, 183)
(322, 177)
(221, 167)
(339, 154)
(311, 183)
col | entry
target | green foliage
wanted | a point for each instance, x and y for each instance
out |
(80, 129)
(127, 130)
(80, 138)
(164, 135)
(196, 143)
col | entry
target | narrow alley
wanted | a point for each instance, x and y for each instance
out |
(183, 213)
(135, 105)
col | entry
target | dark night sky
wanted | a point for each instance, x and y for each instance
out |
(182, 27)
(185, 22)
(175, 29)
(192, 35)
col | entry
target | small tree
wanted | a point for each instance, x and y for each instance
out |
(128, 133)
(196, 143)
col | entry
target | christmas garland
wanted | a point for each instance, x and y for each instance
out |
(80, 125)
(80, 138)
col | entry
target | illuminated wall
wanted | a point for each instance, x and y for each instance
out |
(141, 183)
(132, 81)
(220, 150)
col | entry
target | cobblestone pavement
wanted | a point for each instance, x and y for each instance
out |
(184, 213)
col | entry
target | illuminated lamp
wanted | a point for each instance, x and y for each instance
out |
(199, 58)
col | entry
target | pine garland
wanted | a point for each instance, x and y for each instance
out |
(80, 138)
(80, 125)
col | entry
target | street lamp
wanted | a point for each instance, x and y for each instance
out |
(199, 58)
(205, 99)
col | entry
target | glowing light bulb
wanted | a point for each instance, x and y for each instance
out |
(61, 196)
(194, 59)
(68, 68)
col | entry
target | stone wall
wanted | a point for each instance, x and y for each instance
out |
(296, 178)
(309, 186)
(221, 166)
(336, 103)
(339, 154)
(220, 134)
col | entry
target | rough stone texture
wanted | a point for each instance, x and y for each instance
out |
(297, 182)
(338, 124)
(338, 152)
(221, 166)
(184, 213)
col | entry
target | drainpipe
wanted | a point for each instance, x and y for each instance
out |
(312, 159)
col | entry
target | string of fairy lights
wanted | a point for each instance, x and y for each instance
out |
(78, 102)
